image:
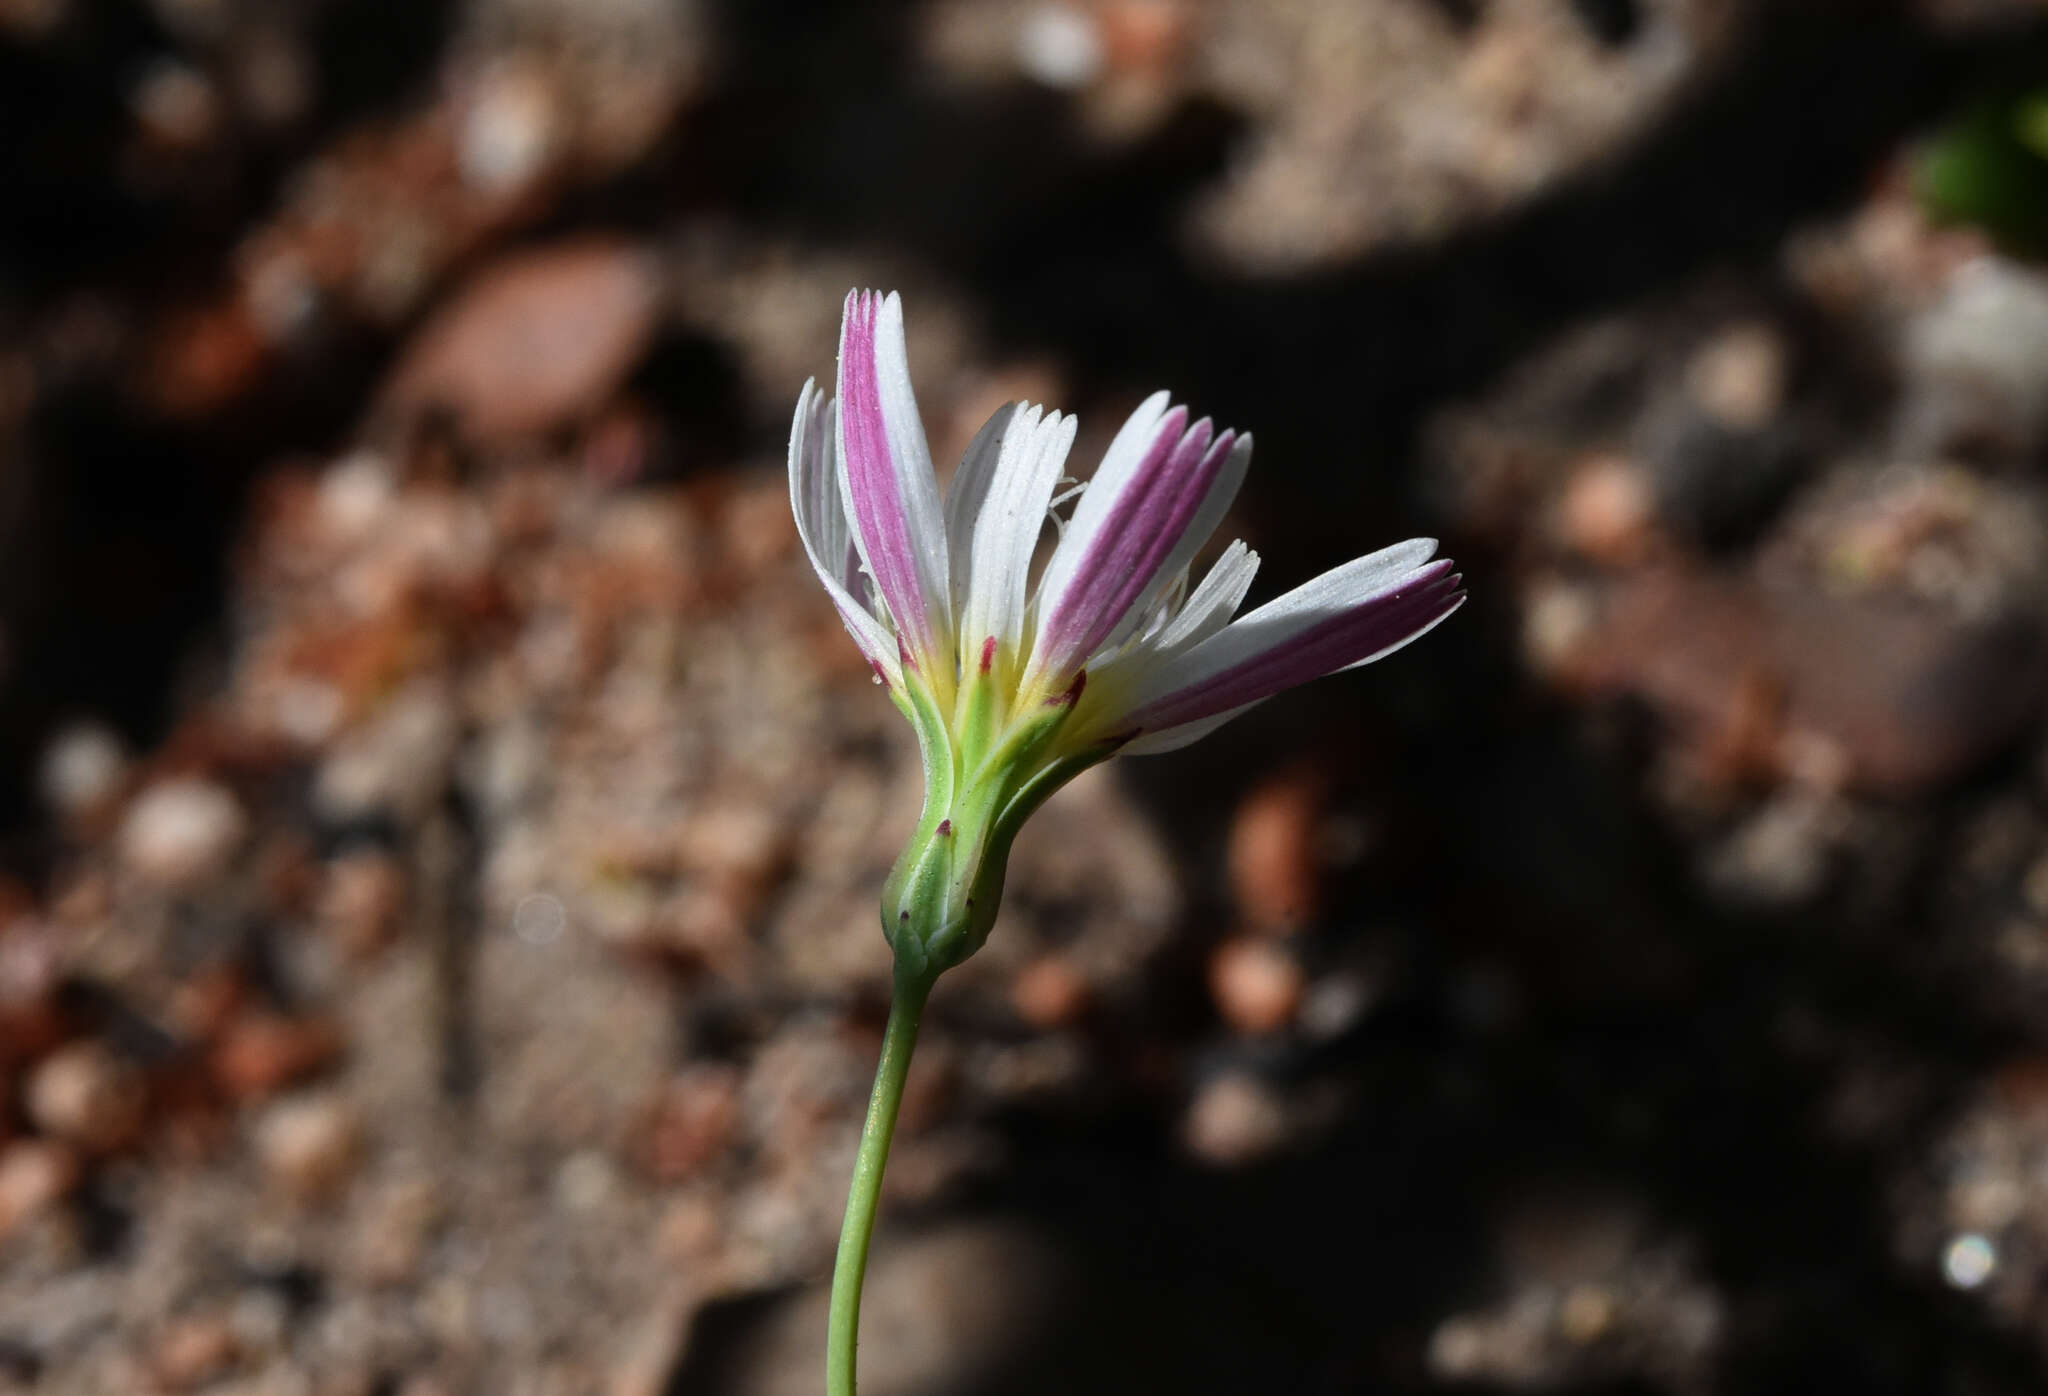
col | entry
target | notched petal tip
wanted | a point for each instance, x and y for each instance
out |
(855, 315)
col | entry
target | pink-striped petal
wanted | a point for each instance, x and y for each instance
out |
(821, 524)
(1351, 615)
(885, 473)
(1137, 527)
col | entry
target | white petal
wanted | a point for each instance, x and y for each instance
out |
(969, 489)
(1204, 613)
(1214, 602)
(1006, 530)
(821, 524)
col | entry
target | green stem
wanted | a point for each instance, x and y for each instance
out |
(842, 1338)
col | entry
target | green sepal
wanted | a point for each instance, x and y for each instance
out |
(977, 720)
(920, 877)
(942, 896)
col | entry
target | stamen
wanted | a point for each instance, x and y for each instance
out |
(1052, 508)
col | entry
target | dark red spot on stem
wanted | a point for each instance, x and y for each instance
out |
(1072, 694)
(945, 828)
(988, 654)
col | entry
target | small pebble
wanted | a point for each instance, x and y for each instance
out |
(1257, 984)
(1060, 46)
(1558, 617)
(31, 970)
(82, 770)
(1587, 1313)
(309, 1144)
(261, 1053)
(1607, 511)
(1143, 35)
(34, 1175)
(85, 1095)
(510, 130)
(181, 832)
(355, 498)
(1738, 376)
(535, 342)
(1969, 1261)
(1458, 1349)
(1049, 992)
(585, 1182)
(176, 105)
(193, 1352)
(1275, 868)
(1236, 1119)
(1975, 382)
(361, 900)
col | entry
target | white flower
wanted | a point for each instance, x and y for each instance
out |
(1013, 688)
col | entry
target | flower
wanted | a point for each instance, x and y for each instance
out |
(1014, 688)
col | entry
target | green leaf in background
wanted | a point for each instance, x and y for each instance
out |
(1990, 168)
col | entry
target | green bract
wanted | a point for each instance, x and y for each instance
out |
(984, 776)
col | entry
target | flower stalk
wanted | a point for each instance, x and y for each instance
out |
(1016, 683)
(863, 1198)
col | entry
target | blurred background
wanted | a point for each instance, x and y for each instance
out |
(441, 817)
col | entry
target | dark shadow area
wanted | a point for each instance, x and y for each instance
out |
(120, 568)
(1076, 253)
